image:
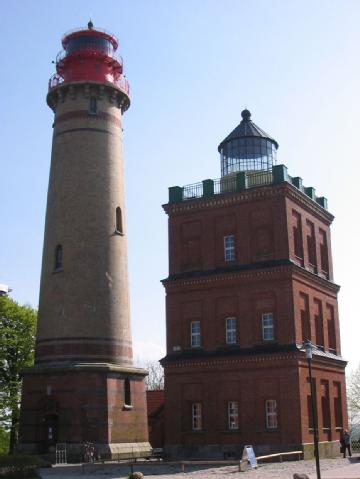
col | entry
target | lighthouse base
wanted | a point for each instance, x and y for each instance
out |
(98, 407)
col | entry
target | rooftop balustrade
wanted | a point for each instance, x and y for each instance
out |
(122, 83)
(240, 181)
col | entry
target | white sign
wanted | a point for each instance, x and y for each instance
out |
(249, 454)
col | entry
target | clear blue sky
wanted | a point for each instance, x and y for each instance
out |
(192, 66)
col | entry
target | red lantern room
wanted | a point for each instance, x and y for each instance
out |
(89, 55)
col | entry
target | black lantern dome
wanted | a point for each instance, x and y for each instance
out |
(247, 148)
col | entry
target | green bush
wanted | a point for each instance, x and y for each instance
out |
(4, 440)
(19, 466)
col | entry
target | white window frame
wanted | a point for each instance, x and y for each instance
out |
(233, 415)
(195, 334)
(231, 330)
(268, 333)
(271, 414)
(196, 416)
(229, 248)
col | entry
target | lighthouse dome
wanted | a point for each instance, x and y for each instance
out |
(247, 148)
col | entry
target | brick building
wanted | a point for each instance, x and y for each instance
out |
(83, 386)
(250, 278)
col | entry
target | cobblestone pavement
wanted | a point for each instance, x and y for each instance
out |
(330, 469)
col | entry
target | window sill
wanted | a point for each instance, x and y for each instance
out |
(127, 407)
(57, 270)
(119, 233)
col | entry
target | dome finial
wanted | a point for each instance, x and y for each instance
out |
(245, 114)
(90, 24)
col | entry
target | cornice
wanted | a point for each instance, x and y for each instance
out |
(115, 95)
(251, 194)
(261, 272)
(211, 362)
(67, 366)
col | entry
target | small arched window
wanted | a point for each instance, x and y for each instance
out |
(119, 223)
(127, 392)
(93, 105)
(58, 257)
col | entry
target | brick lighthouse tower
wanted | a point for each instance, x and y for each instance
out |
(250, 279)
(83, 386)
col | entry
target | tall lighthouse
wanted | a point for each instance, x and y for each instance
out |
(83, 386)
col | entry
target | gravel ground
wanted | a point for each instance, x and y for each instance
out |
(283, 470)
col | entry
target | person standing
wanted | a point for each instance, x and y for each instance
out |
(345, 442)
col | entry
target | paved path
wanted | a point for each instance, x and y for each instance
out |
(349, 471)
(330, 469)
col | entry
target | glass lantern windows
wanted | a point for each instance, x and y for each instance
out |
(247, 154)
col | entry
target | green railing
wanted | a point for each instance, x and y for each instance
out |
(240, 181)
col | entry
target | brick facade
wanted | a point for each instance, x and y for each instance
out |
(275, 289)
(83, 386)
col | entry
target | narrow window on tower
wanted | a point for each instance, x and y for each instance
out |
(297, 236)
(233, 415)
(195, 334)
(337, 406)
(268, 327)
(119, 223)
(93, 105)
(311, 246)
(230, 324)
(324, 254)
(196, 416)
(325, 405)
(331, 328)
(229, 248)
(305, 316)
(271, 414)
(319, 324)
(58, 258)
(127, 393)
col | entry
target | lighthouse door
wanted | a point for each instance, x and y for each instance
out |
(50, 431)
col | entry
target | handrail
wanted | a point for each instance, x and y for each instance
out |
(121, 82)
(63, 53)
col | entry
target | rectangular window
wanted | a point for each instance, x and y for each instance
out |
(311, 244)
(195, 334)
(325, 404)
(305, 316)
(337, 405)
(268, 327)
(93, 105)
(230, 330)
(319, 323)
(196, 416)
(331, 328)
(271, 414)
(229, 248)
(233, 414)
(324, 258)
(297, 234)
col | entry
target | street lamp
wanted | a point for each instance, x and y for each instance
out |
(308, 352)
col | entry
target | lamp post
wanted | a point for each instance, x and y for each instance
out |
(308, 352)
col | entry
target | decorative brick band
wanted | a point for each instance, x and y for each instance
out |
(84, 350)
(81, 114)
(71, 130)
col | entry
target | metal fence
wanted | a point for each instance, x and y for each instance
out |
(193, 191)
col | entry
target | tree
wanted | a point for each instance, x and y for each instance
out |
(353, 399)
(17, 341)
(155, 378)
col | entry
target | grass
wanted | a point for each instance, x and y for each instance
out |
(19, 466)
